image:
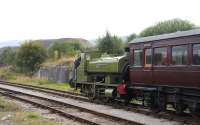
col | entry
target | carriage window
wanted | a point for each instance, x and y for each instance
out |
(138, 57)
(160, 56)
(196, 54)
(179, 55)
(148, 57)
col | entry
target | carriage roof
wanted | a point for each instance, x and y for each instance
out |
(167, 36)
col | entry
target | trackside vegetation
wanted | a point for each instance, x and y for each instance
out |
(13, 114)
(110, 44)
(29, 57)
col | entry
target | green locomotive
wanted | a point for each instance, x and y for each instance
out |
(98, 75)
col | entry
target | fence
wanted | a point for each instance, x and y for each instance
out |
(59, 74)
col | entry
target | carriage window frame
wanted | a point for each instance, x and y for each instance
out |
(187, 54)
(197, 44)
(166, 58)
(141, 58)
(149, 64)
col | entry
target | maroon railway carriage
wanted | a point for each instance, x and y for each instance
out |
(166, 69)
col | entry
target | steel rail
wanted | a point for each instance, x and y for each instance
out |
(167, 115)
(78, 107)
(60, 112)
(39, 87)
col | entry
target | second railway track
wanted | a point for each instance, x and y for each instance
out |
(70, 94)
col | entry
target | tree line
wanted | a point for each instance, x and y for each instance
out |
(30, 55)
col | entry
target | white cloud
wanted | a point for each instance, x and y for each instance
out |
(33, 19)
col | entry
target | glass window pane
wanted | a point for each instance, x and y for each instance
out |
(160, 56)
(179, 55)
(148, 57)
(138, 57)
(196, 54)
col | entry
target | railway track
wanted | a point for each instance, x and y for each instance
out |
(128, 117)
(70, 94)
(70, 111)
(134, 108)
(67, 111)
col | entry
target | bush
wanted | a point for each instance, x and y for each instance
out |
(7, 74)
(168, 26)
(30, 56)
(8, 56)
(58, 50)
(110, 45)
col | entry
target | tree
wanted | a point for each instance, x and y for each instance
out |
(168, 26)
(110, 44)
(131, 37)
(57, 50)
(7, 57)
(29, 57)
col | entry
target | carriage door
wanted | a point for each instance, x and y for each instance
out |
(147, 69)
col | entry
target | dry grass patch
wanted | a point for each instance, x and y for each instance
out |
(31, 118)
(11, 114)
(6, 106)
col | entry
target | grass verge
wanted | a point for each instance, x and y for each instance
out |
(42, 83)
(7, 74)
(13, 115)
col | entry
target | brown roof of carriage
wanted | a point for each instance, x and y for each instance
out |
(167, 36)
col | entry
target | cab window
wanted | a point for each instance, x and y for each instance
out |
(148, 57)
(160, 56)
(179, 55)
(138, 57)
(196, 54)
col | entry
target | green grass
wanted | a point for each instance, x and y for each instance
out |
(42, 83)
(18, 117)
(7, 74)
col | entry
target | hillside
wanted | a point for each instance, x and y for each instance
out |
(47, 42)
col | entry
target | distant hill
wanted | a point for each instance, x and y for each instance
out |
(47, 42)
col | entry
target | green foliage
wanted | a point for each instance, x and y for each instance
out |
(6, 73)
(168, 26)
(131, 37)
(110, 44)
(57, 50)
(8, 55)
(30, 56)
(33, 115)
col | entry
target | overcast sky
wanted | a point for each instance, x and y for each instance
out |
(89, 19)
